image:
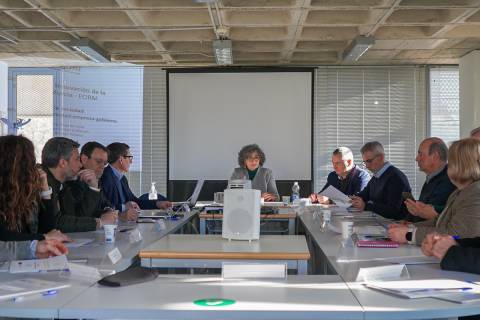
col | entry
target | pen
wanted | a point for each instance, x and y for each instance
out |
(27, 297)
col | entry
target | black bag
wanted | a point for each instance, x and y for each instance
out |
(129, 276)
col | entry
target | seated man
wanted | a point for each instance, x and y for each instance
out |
(61, 162)
(22, 250)
(475, 133)
(431, 159)
(346, 177)
(114, 184)
(383, 193)
(81, 197)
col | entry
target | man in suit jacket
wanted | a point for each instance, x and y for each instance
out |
(346, 177)
(115, 186)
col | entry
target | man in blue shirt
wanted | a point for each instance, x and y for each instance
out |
(383, 193)
(346, 177)
(115, 186)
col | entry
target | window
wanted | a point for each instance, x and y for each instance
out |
(354, 105)
(444, 103)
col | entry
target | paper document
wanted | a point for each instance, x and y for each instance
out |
(27, 286)
(413, 260)
(337, 196)
(422, 288)
(77, 243)
(370, 230)
(58, 263)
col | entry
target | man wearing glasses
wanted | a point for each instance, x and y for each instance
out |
(115, 186)
(82, 197)
(383, 194)
(346, 176)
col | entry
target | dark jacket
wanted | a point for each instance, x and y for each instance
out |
(435, 192)
(465, 257)
(68, 219)
(384, 195)
(42, 222)
(112, 193)
(357, 181)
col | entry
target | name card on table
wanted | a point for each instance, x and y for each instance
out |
(380, 273)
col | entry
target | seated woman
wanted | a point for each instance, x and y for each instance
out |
(251, 159)
(461, 216)
(27, 211)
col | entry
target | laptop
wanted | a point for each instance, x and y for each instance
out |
(193, 198)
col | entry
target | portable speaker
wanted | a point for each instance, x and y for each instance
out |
(241, 214)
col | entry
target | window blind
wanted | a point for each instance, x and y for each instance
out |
(354, 105)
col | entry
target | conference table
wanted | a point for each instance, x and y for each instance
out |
(210, 251)
(333, 293)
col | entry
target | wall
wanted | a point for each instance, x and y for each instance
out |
(469, 92)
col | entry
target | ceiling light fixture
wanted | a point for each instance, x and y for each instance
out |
(223, 51)
(357, 48)
(89, 49)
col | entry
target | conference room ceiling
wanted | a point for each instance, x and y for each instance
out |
(179, 33)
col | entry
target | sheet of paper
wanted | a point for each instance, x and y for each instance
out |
(78, 243)
(413, 260)
(58, 263)
(336, 195)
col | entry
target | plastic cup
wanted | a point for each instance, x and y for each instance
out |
(347, 229)
(286, 200)
(109, 232)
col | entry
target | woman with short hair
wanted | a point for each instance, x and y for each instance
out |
(251, 159)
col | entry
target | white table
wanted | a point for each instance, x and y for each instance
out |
(299, 297)
(209, 251)
(96, 252)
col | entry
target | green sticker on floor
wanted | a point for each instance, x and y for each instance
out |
(214, 302)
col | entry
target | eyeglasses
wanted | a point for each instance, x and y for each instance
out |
(368, 161)
(253, 158)
(130, 157)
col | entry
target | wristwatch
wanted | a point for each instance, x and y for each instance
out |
(408, 236)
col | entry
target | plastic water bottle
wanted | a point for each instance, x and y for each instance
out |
(152, 194)
(326, 214)
(295, 192)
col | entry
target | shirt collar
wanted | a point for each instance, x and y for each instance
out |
(117, 172)
(379, 173)
(434, 174)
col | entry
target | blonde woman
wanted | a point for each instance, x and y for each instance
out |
(461, 216)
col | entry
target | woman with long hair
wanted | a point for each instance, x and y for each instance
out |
(27, 211)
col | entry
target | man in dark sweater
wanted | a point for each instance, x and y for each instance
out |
(431, 159)
(346, 176)
(383, 194)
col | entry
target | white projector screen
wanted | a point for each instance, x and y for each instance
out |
(212, 115)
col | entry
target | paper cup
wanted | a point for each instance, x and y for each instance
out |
(109, 232)
(347, 229)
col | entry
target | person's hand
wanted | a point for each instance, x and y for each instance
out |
(49, 248)
(427, 244)
(267, 196)
(163, 204)
(57, 235)
(88, 176)
(441, 245)
(357, 202)
(129, 215)
(43, 179)
(109, 217)
(132, 205)
(420, 209)
(397, 233)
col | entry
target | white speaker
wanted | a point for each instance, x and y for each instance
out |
(241, 214)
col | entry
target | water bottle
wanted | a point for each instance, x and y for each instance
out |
(152, 194)
(295, 192)
(326, 214)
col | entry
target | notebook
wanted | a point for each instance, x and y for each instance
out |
(373, 242)
(193, 198)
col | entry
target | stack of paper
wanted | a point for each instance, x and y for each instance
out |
(422, 288)
(336, 196)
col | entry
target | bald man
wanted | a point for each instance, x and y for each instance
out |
(432, 160)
